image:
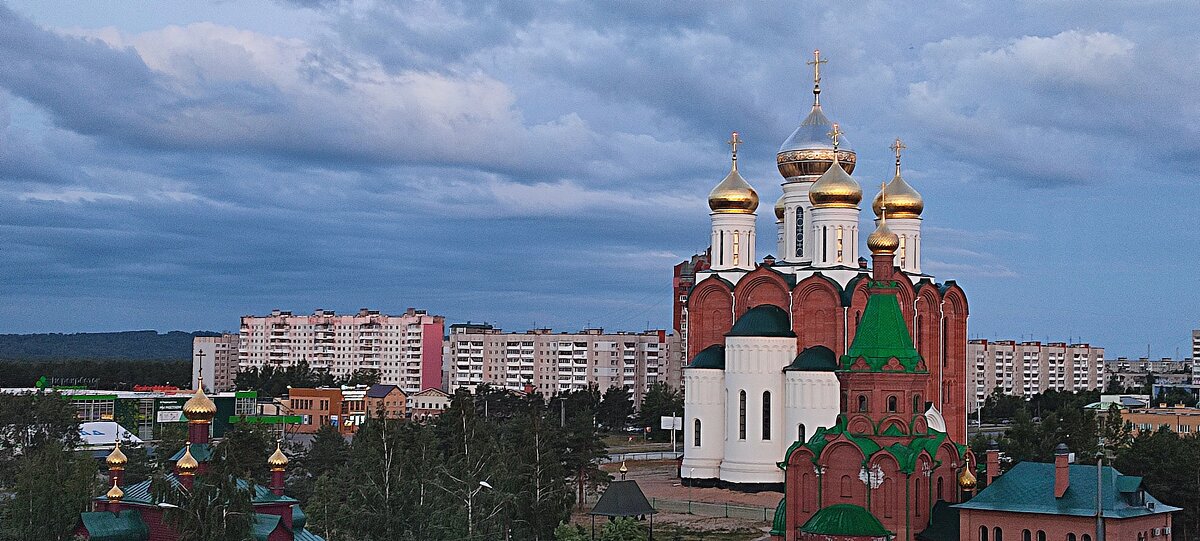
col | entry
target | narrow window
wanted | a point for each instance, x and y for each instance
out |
(766, 415)
(940, 482)
(1087, 537)
(983, 533)
(839, 244)
(696, 434)
(741, 415)
(891, 404)
(917, 405)
(736, 238)
(1026, 536)
(903, 250)
(1071, 537)
(800, 430)
(1041, 535)
(721, 248)
(997, 534)
(862, 403)
(824, 244)
(799, 231)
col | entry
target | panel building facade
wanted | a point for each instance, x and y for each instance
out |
(1029, 368)
(216, 358)
(549, 362)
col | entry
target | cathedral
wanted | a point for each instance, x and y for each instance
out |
(768, 340)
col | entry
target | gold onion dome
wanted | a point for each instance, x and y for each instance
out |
(780, 209)
(903, 201)
(187, 464)
(116, 459)
(807, 152)
(277, 460)
(733, 195)
(115, 493)
(882, 240)
(835, 188)
(966, 479)
(199, 407)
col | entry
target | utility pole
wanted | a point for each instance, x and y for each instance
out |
(1100, 490)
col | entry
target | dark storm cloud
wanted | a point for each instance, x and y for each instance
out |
(547, 162)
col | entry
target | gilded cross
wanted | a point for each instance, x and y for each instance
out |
(834, 134)
(883, 200)
(816, 64)
(897, 147)
(733, 142)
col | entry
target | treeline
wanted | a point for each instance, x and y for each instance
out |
(270, 381)
(111, 375)
(132, 345)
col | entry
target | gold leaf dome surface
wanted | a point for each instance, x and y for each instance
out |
(902, 200)
(882, 240)
(116, 459)
(187, 464)
(733, 195)
(966, 479)
(780, 209)
(277, 460)
(199, 407)
(835, 189)
(115, 493)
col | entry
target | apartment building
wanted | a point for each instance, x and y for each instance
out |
(216, 358)
(549, 362)
(1029, 368)
(1196, 344)
(405, 349)
(1133, 373)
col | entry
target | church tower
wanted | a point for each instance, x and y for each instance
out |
(733, 203)
(904, 209)
(835, 197)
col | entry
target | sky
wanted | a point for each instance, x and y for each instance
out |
(177, 164)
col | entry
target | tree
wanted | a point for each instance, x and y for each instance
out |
(615, 408)
(1117, 433)
(243, 453)
(1167, 464)
(1114, 385)
(659, 401)
(215, 509)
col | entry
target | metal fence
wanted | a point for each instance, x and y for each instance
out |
(616, 458)
(708, 509)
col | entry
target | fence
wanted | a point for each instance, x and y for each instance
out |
(616, 458)
(708, 509)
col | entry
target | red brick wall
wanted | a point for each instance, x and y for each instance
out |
(817, 317)
(710, 316)
(1056, 527)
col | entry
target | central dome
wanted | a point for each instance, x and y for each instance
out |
(808, 151)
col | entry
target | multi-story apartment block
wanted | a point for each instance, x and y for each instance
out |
(216, 358)
(406, 349)
(1196, 344)
(1133, 373)
(1029, 368)
(549, 362)
(681, 283)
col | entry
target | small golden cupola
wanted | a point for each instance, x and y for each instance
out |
(882, 240)
(733, 195)
(903, 200)
(780, 209)
(835, 188)
(187, 464)
(116, 459)
(807, 152)
(966, 479)
(115, 493)
(277, 460)
(199, 408)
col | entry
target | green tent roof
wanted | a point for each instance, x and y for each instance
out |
(1029, 488)
(106, 526)
(263, 525)
(765, 320)
(139, 493)
(202, 452)
(710, 357)
(779, 525)
(882, 336)
(816, 358)
(844, 519)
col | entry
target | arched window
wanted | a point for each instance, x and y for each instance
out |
(1041, 535)
(1026, 536)
(741, 415)
(891, 404)
(696, 434)
(862, 403)
(736, 237)
(918, 406)
(824, 244)
(1071, 537)
(800, 431)
(766, 416)
(997, 534)
(919, 492)
(1087, 537)
(940, 482)
(721, 247)
(983, 533)
(846, 484)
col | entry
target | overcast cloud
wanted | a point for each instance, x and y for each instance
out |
(547, 162)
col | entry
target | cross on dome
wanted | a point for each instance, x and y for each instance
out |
(834, 134)
(733, 142)
(816, 64)
(896, 147)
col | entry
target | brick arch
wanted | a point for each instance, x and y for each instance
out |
(710, 314)
(758, 287)
(817, 314)
(919, 424)
(887, 500)
(922, 497)
(890, 421)
(954, 360)
(927, 336)
(905, 295)
(860, 424)
(858, 303)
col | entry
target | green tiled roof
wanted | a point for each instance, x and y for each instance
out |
(844, 519)
(710, 357)
(906, 454)
(305, 535)
(881, 336)
(816, 358)
(140, 492)
(779, 525)
(106, 526)
(299, 519)
(764, 320)
(263, 525)
(1029, 488)
(202, 452)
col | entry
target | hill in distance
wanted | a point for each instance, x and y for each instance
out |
(127, 345)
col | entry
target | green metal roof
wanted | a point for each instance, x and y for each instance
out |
(765, 320)
(710, 357)
(816, 358)
(299, 519)
(882, 336)
(139, 493)
(1029, 488)
(202, 452)
(779, 525)
(263, 525)
(906, 454)
(305, 535)
(844, 519)
(106, 526)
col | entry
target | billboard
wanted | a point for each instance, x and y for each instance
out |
(170, 410)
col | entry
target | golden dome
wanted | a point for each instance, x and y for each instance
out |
(278, 460)
(835, 188)
(882, 240)
(187, 464)
(116, 459)
(733, 195)
(115, 493)
(199, 408)
(966, 479)
(779, 209)
(903, 201)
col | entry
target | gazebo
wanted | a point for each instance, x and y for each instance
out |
(623, 499)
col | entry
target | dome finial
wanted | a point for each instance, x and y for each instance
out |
(897, 147)
(835, 134)
(733, 142)
(816, 64)
(733, 195)
(882, 240)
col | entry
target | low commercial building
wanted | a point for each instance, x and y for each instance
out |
(345, 407)
(1136, 373)
(1181, 419)
(427, 404)
(387, 401)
